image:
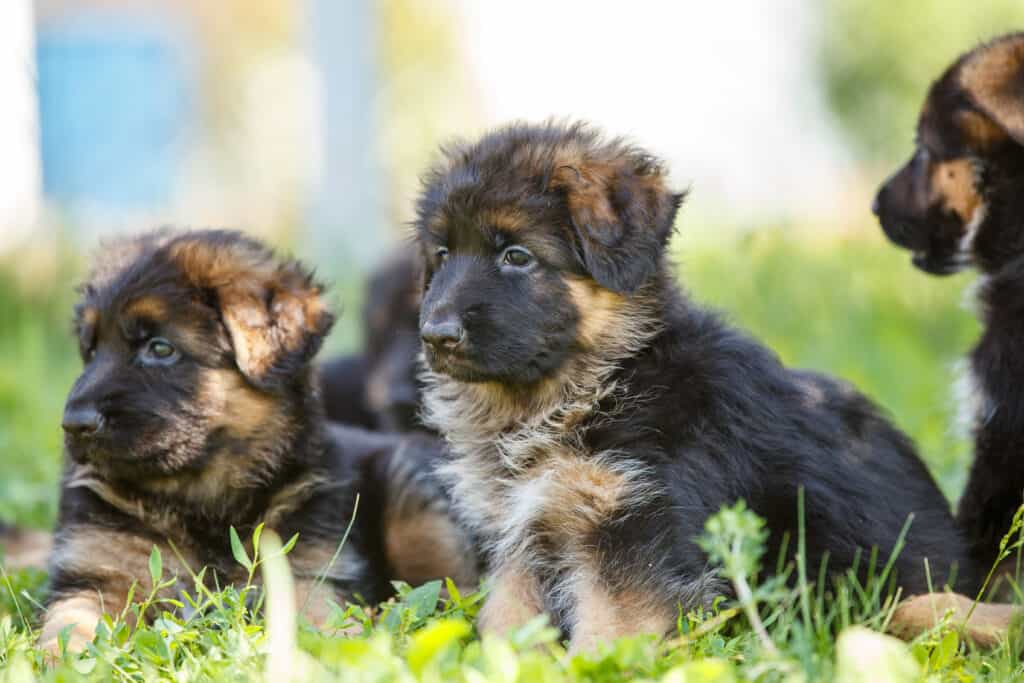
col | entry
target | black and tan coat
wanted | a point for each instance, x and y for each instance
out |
(597, 417)
(197, 411)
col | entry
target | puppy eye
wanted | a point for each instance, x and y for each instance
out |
(158, 351)
(517, 257)
(441, 253)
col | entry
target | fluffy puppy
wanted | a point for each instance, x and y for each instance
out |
(196, 411)
(596, 416)
(958, 203)
(378, 388)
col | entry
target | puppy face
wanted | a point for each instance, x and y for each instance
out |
(194, 346)
(947, 204)
(530, 236)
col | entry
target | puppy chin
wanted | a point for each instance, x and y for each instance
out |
(938, 264)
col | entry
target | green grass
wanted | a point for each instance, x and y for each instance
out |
(853, 307)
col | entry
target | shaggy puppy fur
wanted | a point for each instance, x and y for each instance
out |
(197, 411)
(597, 417)
(958, 203)
(378, 388)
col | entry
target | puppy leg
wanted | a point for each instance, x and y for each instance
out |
(513, 601)
(81, 611)
(110, 563)
(602, 614)
(989, 623)
(318, 576)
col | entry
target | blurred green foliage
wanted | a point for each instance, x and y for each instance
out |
(852, 306)
(878, 58)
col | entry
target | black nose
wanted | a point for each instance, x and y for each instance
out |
(82, 422)
(444, 332)
(876, 205)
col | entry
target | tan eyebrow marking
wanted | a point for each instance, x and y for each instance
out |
(152, 307)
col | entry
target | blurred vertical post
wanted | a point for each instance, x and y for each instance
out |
(20, 174)
(348, 213)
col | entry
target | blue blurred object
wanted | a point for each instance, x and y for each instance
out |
(115, 105)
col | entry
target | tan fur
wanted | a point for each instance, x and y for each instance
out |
(315, 574)
(982, 133)
(954, 182)
(992, 76)
(506, 218)
(116, 561)
(118, 558)
(426, 546)
(600, 311)
(236, 406)
(603, 614)
(514, 600)
(313, 599)
(82, 612)
(578, 496)
(230, 404)
(152, 308)
(587, 183)
(267, 307)
(25, 549)
(89, 317)
(988, 625)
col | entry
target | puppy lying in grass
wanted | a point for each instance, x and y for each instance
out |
(597, 416)
(197, 411)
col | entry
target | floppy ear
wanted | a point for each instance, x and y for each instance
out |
(273, 309)
(622, 214)
(994, 79)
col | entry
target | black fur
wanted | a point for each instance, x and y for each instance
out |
(958, 124)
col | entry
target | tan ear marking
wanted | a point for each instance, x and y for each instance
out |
(271, 307)
(994, 78)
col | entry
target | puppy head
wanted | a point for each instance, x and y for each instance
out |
(192, 343)
(533, 237)
(949, 203)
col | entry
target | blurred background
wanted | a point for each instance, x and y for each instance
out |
(308, 122)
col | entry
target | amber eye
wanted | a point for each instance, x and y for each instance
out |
(441, 253)
(517, 257)
(158, 351)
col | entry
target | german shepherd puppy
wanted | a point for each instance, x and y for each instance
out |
(596, 416)
(957, 203)
(378, 388)
(197, 411)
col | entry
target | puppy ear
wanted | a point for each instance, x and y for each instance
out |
(994, 79)
(273, 309)
(622, 214)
